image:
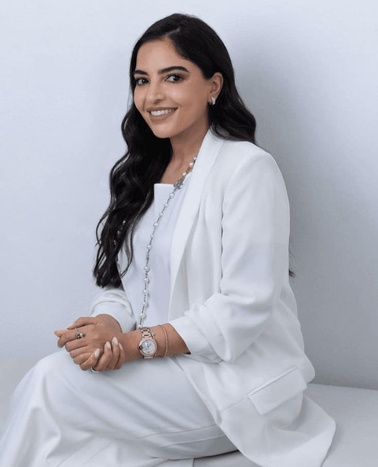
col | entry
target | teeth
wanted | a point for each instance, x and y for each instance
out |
(156, 113)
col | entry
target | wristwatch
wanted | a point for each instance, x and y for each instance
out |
(147, 346)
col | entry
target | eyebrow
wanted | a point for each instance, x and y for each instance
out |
(163, 70)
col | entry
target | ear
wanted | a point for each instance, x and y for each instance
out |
(216, 82)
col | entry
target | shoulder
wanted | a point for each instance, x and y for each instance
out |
(244, 151)
(243, 159)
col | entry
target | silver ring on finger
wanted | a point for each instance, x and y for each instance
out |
(79, 334)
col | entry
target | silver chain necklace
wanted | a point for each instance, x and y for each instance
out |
(146, 279)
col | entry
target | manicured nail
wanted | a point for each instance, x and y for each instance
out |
(97, 353)
(120, 346)
(115, 341)
(108, 346)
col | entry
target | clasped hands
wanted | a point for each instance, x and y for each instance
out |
(100, 348)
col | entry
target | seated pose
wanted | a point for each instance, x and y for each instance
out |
(193, 347)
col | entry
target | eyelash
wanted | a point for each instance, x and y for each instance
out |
(176, 79)
(174, 76)
(140, 81)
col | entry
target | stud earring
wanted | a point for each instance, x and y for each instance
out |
(213, 101)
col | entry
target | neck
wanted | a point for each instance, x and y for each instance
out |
(185, 149)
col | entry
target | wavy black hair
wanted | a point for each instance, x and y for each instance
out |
(132, 178)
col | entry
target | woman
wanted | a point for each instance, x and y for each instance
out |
(193, 257)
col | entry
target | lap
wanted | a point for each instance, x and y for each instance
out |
(147, 402)
(158, 388)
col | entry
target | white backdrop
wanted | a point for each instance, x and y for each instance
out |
(307, 70)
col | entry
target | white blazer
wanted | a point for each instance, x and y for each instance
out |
(232, 304)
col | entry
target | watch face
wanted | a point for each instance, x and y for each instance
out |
(148, 347)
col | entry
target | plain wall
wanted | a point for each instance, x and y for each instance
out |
(309, 73)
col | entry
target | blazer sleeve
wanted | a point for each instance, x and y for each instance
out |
(254, 262)
(114, 302)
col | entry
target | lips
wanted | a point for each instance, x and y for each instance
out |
(160, 112)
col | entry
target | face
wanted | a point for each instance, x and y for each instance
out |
(171, 93)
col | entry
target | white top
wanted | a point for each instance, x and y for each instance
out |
(160, 274)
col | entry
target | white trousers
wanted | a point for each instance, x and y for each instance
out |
(144, 415)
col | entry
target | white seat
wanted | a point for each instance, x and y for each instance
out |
(355, 411)
(234, 459)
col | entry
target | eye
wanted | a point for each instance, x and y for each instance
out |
(140, 81)
(174, 78)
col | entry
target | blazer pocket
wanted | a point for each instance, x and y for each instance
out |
(277, 391)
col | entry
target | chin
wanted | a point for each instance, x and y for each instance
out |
(161, 133)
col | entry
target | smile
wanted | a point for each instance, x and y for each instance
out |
(158, 113)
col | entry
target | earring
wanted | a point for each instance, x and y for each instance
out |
(213, 101)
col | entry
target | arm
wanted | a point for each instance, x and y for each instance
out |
(254, 264)
(110, 314)
(114, 302)
(105, 346)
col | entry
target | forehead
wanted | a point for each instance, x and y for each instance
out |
(158, 54)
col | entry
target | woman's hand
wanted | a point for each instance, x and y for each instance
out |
(113, 357)
(104, 346)
(98, 332)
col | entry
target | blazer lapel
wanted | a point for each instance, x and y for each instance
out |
(205, 160)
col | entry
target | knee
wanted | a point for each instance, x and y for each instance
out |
(53, 364)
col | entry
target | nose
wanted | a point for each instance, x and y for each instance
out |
(154, 93)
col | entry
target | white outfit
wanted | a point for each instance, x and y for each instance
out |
(231, 301)
(140, 416)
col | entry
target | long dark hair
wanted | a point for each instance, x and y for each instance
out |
(132, 178)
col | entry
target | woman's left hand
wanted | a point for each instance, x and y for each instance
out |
(112, 358)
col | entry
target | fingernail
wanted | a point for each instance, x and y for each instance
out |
(108, 346)
(115, 341)
(120, 346)
(97, 353)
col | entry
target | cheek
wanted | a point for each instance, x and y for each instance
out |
(138, 101)
(199, 107)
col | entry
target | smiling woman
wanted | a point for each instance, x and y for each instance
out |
(172, 95)
(193, 260)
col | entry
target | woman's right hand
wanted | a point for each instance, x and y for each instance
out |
(98, 333)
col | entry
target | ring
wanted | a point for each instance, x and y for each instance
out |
(94, 371)
(79, 334)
